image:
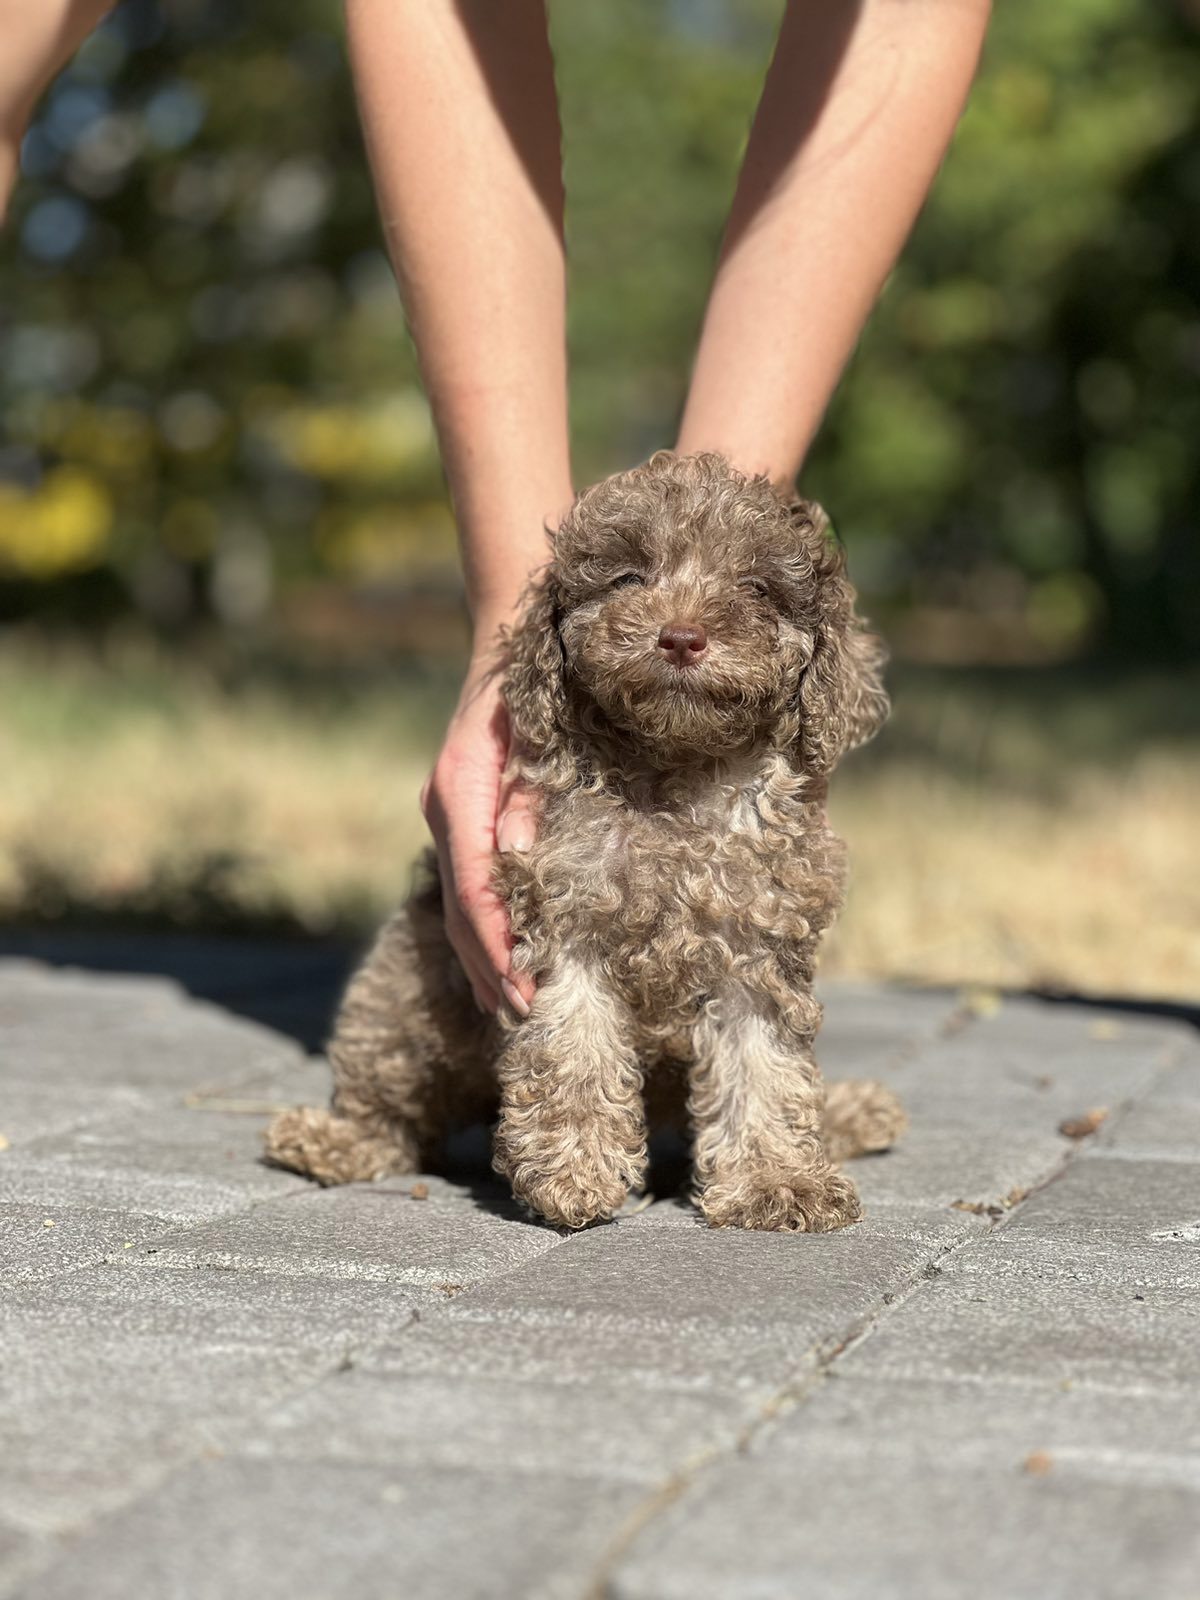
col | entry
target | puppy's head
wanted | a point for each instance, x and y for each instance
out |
(690, 612)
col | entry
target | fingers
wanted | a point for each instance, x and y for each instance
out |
(485, 924)
(471, 813)
(517, 825)
(515, 830)
(460, 896)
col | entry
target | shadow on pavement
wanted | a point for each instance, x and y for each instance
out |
(1175, 1010)
(292, 987)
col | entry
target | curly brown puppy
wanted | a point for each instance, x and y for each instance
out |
(685, 677)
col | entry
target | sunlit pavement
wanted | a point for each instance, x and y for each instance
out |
(219, 1381)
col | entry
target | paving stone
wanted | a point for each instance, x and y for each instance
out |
(354, 1391)
(819, 1501)
(1056, 1050)
(576, 1351)
(30, 1111)
(984, 1122)
(61, 1186)
(1165, 1126)
(1045, 1028)
(1117, 1211)
(869, 1029)
(290, 986)
(202, 1140)
(95, 1411)
(376, 1231)
(175, 1163)
(218, 1307)
(78, 1031)
(672, 1211)
(936, 1165)
(1138, 1268)
(112, 1377)
(40, 1241)
(1181, 1085)
(291, 1530)
(763, 1305)
(975, 1424)
(66, 997)
(303, 1080)
(969, 1083)
(492, 1423)
(864, 1527)
(976, 1323)
(20, 1556)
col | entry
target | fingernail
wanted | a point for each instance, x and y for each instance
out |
(514, 831)
(515, 998)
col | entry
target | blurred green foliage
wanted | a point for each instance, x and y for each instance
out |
(208, 395)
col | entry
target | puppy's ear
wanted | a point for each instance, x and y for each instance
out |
(534, 690)
(842, 699)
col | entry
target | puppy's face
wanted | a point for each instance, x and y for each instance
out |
(687, 607)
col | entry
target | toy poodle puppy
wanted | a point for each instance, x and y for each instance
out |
(686, 674)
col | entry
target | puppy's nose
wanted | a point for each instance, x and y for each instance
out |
(683, 642)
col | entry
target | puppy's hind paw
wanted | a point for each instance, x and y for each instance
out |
(332, 1149)
(861, 1117)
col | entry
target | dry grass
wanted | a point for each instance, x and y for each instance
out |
(1096, 891)
(163, 797)
(1008, 833)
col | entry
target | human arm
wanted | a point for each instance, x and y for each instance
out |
(857, 111)
(38, 41)
(461, 121)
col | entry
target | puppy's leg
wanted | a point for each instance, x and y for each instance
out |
(860, 1117)
(409, 1057)
(572, 1133)
(756, 1106)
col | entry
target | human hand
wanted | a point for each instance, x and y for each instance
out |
(472, 812)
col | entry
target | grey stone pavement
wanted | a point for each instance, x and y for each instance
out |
(218, 1381)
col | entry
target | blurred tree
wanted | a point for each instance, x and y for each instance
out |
(206, 386)
(1019, 428)
(200, 328)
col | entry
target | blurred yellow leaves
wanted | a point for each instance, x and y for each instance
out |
(384, 541)
(60, 526)
(373, 442)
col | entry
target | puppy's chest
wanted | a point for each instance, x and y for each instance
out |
(669, 887)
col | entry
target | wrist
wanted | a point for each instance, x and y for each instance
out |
(499, 606)
(488, 627)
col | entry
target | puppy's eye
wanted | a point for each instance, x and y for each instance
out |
(758, 586)
(624, 579)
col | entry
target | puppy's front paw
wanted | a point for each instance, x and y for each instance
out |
(571, 1200)
(798, 1202)
(570, 1181)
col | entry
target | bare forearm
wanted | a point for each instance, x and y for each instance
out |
(461, 122)
(858, 109)
(37, 41)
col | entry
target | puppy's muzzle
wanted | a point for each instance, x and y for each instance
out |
(683, 643)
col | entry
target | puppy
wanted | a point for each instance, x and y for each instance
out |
(686, 675)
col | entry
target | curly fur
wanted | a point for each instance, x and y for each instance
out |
(671, 906)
